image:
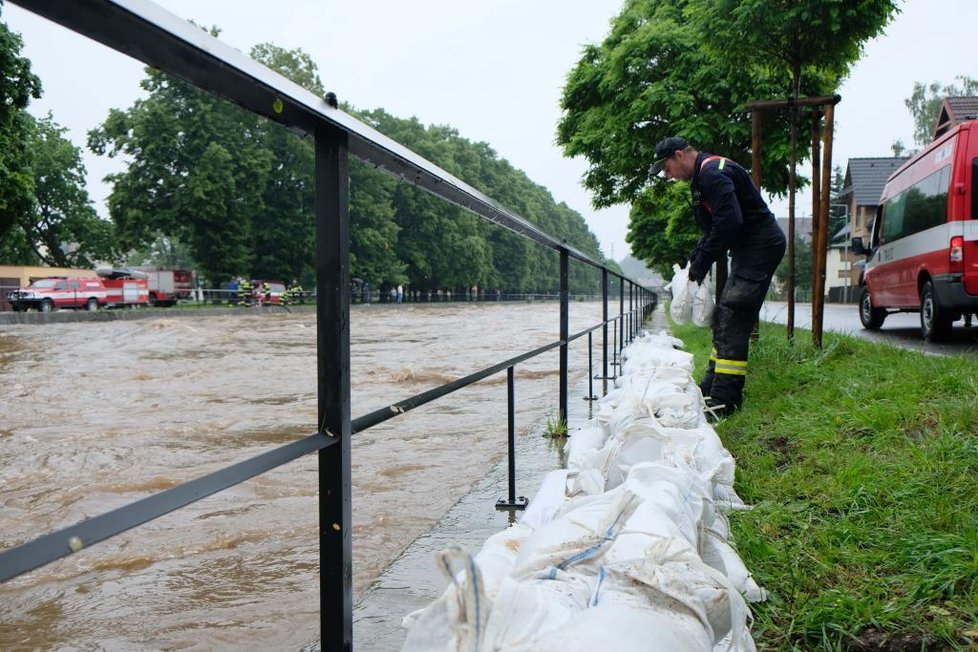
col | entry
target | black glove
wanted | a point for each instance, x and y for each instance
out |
(697, 270)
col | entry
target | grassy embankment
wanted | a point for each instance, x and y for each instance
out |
(861, 463)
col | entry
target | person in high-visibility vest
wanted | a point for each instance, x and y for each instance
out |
(245, 290)
(734, 218)
(294, 293)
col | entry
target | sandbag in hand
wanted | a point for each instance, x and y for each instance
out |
(681, 307)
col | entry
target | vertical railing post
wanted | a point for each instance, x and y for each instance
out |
(631, 311)
(511, 430)
(333, 381)
(590, 369)
(564, 330)
(512, 502)
(614, 344)
(604, 331)
(621, 314)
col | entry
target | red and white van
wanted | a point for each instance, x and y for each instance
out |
(923, 253)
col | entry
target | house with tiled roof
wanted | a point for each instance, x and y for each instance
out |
(861, 191)
(862, 188)
(955, 110)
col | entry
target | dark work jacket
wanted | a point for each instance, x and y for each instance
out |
(729, 210)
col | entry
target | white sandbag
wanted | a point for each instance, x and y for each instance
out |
(584, 529)
(498, 555)
(624, 625)
(720, 555)
(458, 618)
(583, 442)
(534, 609)
(635, 446)
(703, 304)
(547, 501)
(681, 306)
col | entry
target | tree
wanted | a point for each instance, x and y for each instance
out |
(17, 86)
(443, 246)
(649, 79)
(925, 103)
(689, 67)
(183, 144)
(63, 230)
(284, 233)
(239, 192)
(813, 39)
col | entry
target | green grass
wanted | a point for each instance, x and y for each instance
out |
(556, 427)
(861, 463)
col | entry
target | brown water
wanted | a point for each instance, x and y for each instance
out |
(95, 415)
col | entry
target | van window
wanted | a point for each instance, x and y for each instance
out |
(918, 208)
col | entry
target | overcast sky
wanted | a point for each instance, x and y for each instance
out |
(492, 69)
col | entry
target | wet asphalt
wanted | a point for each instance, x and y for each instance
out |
(899, 329)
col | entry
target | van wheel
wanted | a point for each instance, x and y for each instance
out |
(46, 306)
(92, 305)
(872, 318)
(935, 321)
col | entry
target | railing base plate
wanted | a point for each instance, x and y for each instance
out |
(520, 503)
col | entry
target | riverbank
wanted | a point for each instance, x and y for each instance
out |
(859, 460)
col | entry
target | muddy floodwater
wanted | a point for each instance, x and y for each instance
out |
(95, 415)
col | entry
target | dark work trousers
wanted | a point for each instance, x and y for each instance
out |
(753, 261)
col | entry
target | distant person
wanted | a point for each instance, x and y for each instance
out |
(400, 293)
(293, 295)
(734, 218)
(245, 293)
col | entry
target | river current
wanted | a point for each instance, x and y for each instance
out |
(95, 415)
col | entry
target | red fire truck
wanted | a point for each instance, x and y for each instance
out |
(124, 287)
(167, 284)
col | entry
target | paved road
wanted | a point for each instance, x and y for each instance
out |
(901, 329)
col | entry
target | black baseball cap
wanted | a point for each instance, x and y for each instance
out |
(666, 148)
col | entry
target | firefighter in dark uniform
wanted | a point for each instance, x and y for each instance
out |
(734, 218)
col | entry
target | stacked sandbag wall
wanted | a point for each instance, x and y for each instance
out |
(625, 549)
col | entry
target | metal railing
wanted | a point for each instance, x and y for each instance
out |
(148, 33)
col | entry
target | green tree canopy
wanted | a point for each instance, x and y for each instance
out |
(689, 67)
(63, 229)
(238, 191)
(17, 86)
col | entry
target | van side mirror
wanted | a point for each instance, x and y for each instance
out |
(858, 247)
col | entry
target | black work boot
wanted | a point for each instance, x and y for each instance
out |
(706, 385)
(716, 410)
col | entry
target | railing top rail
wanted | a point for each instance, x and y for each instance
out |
(153, 35)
